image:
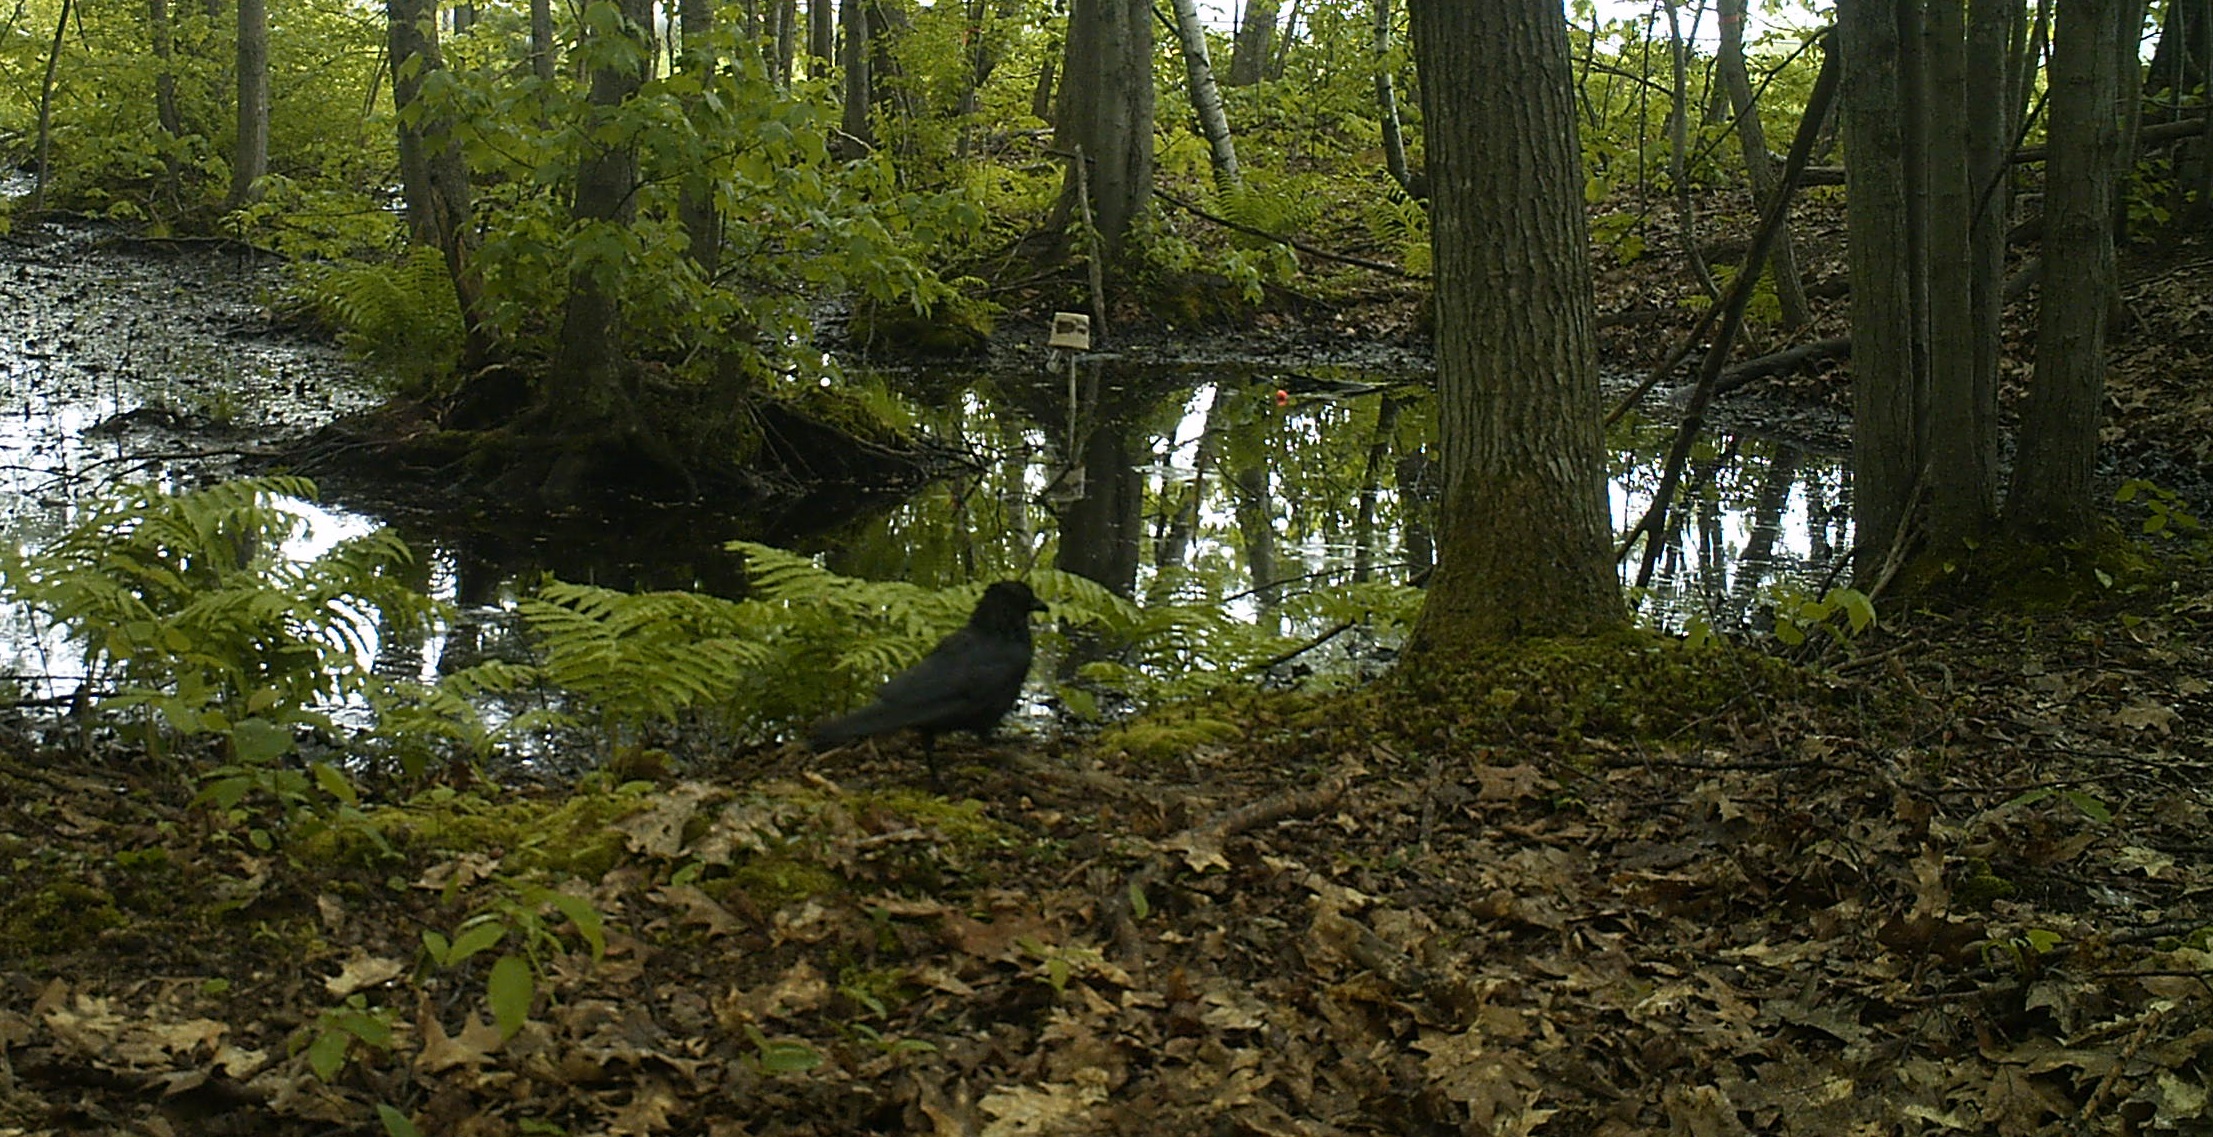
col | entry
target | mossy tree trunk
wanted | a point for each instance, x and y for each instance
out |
(585, 386)
(434, 181)
(1524, 542)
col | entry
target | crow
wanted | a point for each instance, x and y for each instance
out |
(969, 681)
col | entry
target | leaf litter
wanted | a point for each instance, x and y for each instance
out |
(1959, 882)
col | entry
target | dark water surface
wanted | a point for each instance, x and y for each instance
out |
(1252, 486)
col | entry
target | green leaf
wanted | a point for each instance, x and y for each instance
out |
(327, 1054)
(1139, 906)
(788, 1057)
(439, 948)
(586, 918)
(333, 782)
(259, 741)
(396, 1123)
(474, 939)
(2090, 806)
(509, 990)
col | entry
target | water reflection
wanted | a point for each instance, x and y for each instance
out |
(1266, 492)
(1247, 487)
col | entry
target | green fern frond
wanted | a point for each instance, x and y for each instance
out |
(401, 315)
(184, 602)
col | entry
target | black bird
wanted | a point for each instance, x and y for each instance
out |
(969, 681)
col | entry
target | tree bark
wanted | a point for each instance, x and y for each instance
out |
(822, 36)
(2128, 92)
(166, 114)
(695, 207)
(541, 40)
(1206, 98)
(855, 124)
(585, 384)
(787, 41)
(1525, 549)
(434, 180)
(1107, 111)
(165, 74)
(1759, 166)
(1386, 101)
(46, 111)
(250, 157)
(1249, 50)
(1992, 26)
(2050, 497)
(1888, 390)
(1678, 153)
(1962, 479)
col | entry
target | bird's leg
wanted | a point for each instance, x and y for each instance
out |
(929, 758)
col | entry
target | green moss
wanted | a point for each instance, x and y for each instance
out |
(2034, 576)
(1624, 685)
(962, 824)
(1978, 887)
(564, 836)
(58, 917)
(954, 326)
(1169, 733)
(772, 882)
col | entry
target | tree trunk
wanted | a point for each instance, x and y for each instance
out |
(434, 180)
(1887, 389)
(1678, 153)
(46, 111)
(1107, 111)
(1248, 59)
(250, 158)
(1962, 489)
(2049, 497)
(2179, 62)
(787, 41)
(165, 74)
(695, 207)
(541, 40)
(1042, 94)
(585, 384)
(1992, 28)
(1386, 101)
(859, 131)
(1206, 99)
(1525, 550)
(822, 36)
(1759, 166)
(166, 114)
(2127, 40)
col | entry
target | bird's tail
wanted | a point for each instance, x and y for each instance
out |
(850, 728)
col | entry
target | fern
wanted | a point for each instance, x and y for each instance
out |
(186, 602)
(1400, 221)
(809, 641)
(400, 315)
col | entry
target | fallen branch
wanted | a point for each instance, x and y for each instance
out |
(1294, 242)
(1201, 843)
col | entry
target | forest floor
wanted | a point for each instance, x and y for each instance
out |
(1955, 874)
